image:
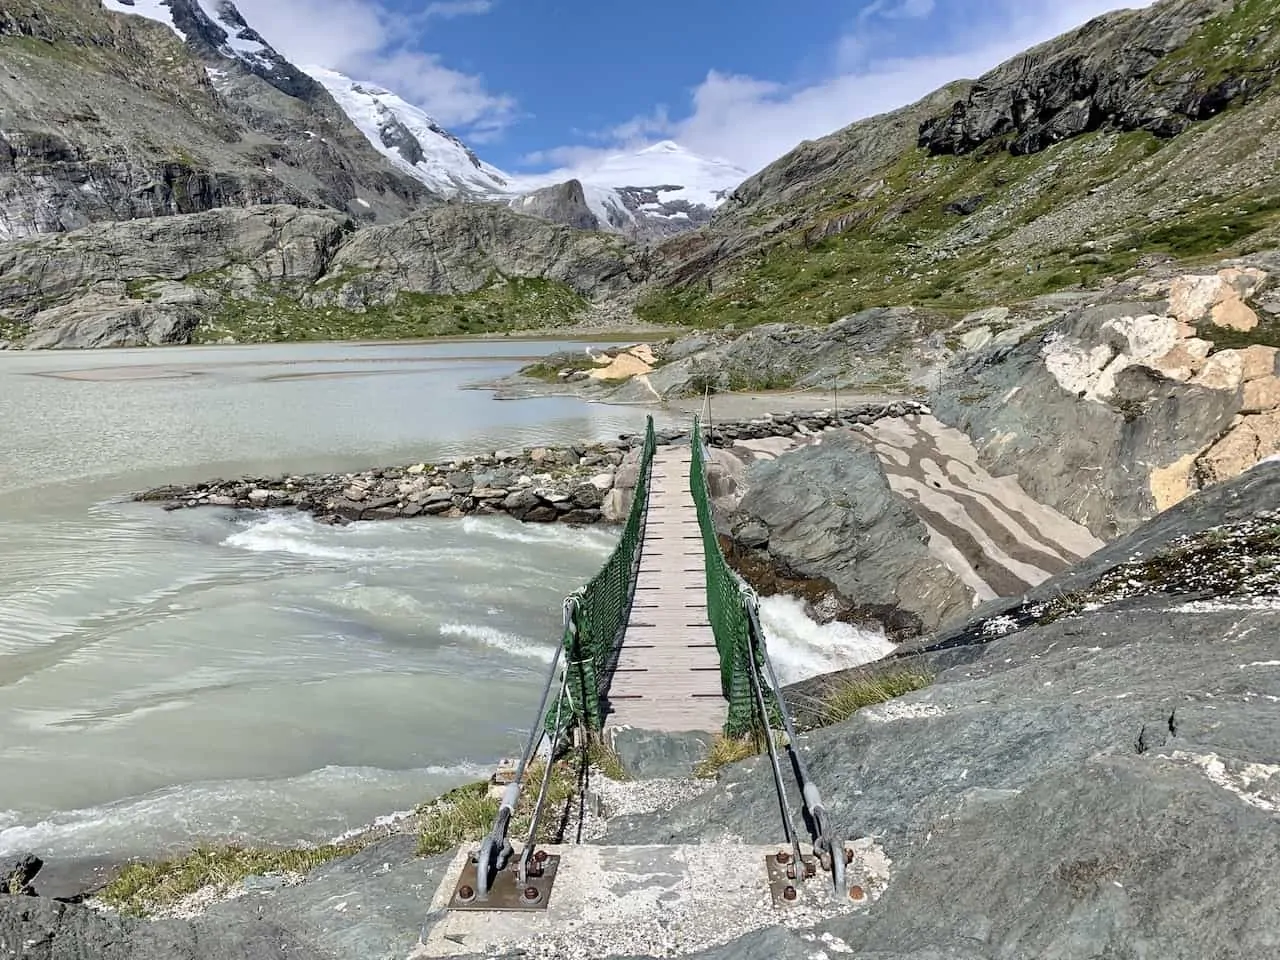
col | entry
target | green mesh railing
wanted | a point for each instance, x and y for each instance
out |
(596, 615)
(727, 601)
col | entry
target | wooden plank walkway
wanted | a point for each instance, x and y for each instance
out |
(668, 672)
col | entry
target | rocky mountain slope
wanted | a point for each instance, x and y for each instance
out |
(1114, 411)
(1143, 134)
(108, 115)
(278, 272)
(1143, 137)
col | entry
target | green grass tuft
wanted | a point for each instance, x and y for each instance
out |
(601, 756)
(144, 888)
(13, 330)
(460, 816)
(550, 368)
(466, 814)
(726, 750)
(846, 696)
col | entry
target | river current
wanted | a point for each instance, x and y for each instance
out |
(203, 674)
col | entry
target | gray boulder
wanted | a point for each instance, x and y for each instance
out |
(829, 513)
(383, 890)
(16, 874)
(105, 320)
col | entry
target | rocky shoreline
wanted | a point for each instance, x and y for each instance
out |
(580, 484)
(1147, 699)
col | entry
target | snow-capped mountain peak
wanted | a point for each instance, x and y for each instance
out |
(242, 41)
(218, 22)
(675, 172)
(410, 138)
(660, 189)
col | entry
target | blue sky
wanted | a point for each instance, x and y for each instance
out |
(541, 85)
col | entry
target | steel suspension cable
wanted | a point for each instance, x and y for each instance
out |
(527, 853)
(741, 642)
(823, 842)
(496, 849)
(784, 801)
(594, 617)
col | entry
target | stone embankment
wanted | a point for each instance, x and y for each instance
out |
(795, 424)
(579, 484)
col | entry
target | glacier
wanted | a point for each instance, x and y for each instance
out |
(429, 152)
(674, 172)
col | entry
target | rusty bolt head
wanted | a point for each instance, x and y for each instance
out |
(857, 893)
(791, 873)
(848, 857)
(540, 856)
(784, 857)
(531, 894)
(789, 893)
(466, 893)
(810, 869)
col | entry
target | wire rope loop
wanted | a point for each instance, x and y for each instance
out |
(558, 731)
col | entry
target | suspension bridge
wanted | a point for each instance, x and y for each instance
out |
(666, 637)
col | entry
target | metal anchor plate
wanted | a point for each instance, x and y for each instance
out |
(786, 879)
(788, 886)
(507, 893)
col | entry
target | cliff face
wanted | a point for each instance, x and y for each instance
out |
(281, 272)
(561, 203)
(1120, 71)
(107, 116)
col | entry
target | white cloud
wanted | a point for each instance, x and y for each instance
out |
(896, 10)
(447, 9)
(752, 121)
(452, 97)
(364, 40)
(565, 158)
